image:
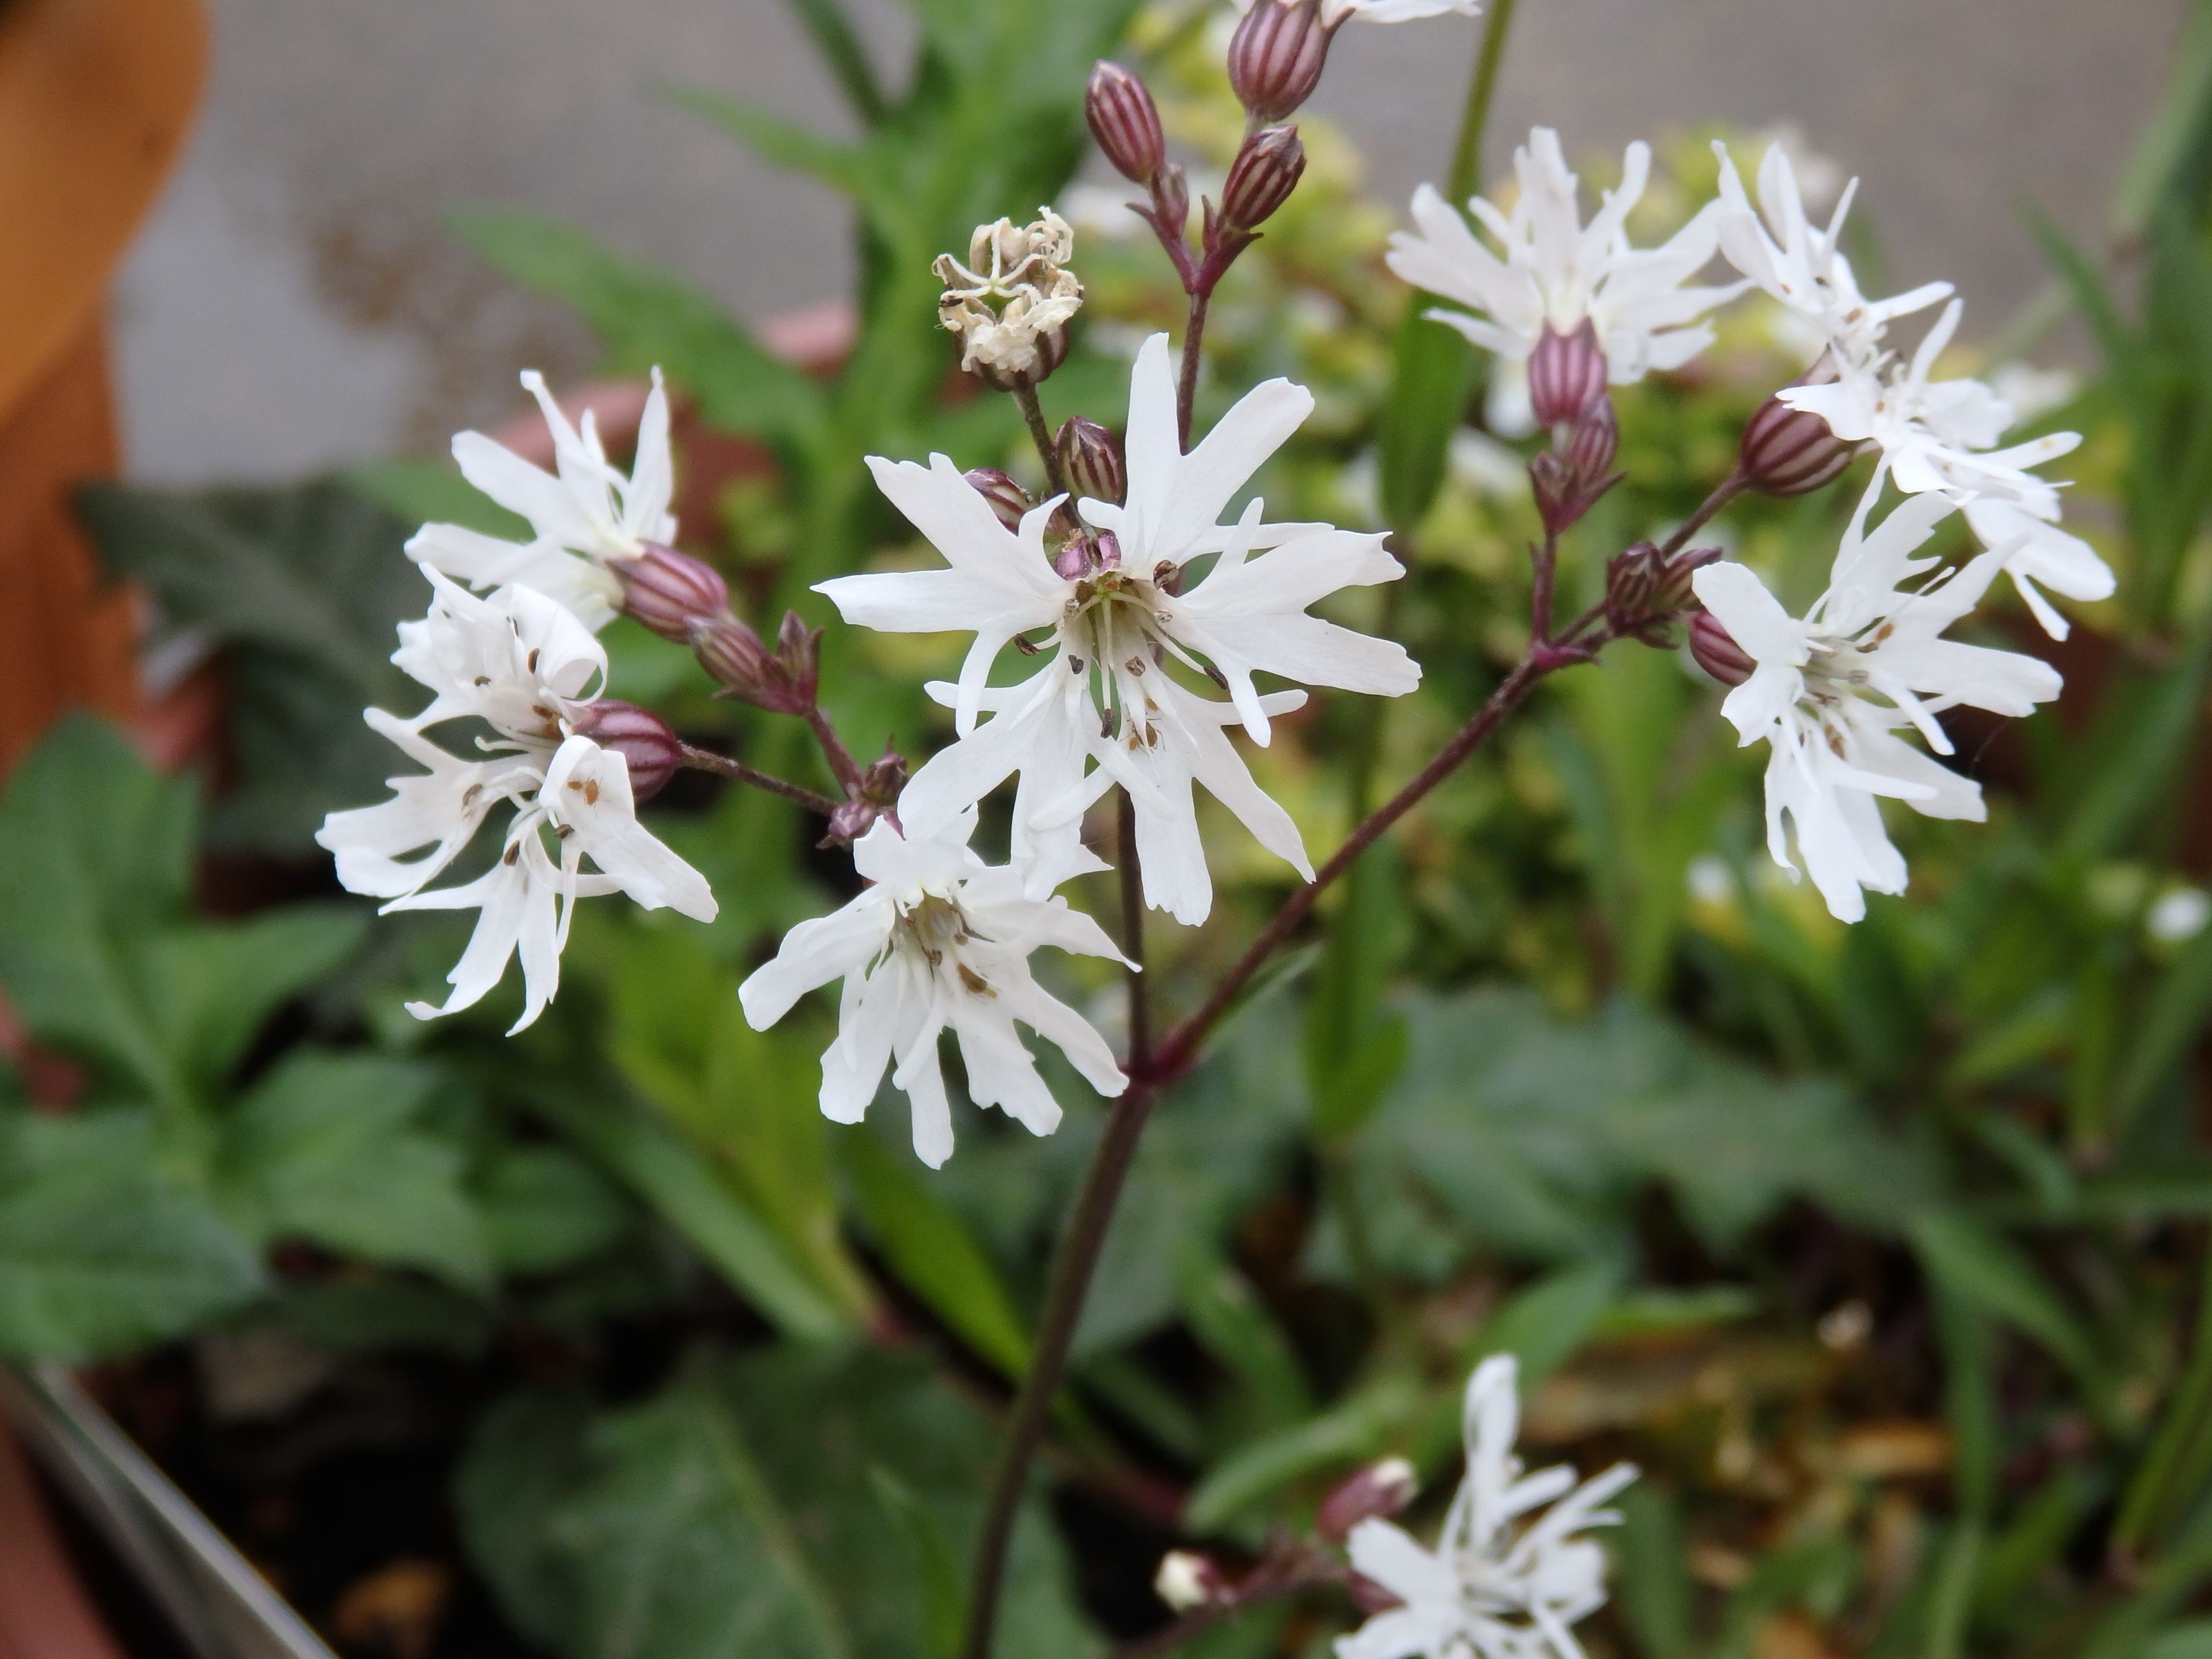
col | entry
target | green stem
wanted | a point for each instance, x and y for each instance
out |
(1467, 155)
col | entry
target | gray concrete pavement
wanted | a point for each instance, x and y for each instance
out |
(296, 302)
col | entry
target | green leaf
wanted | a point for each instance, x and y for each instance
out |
(1657, 1595)
(781, 142)
(210, 989)
(100, 1250)
(1538, 1133)
(741, 1511)
(327, 1149)
(300, 589)
(545, 1209)
(944, 1597)
(526, 1455)
(646, 317)
(1984, 1270)
(694, 1198)
(1359, 1426)
(2171, 1023)
(1433, 376)
(94, 852)
(842, 53)
(1230, 1322)
(934, 1254)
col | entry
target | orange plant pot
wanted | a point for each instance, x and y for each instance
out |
(96, 100)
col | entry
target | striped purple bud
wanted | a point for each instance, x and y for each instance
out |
(666, 590)
(1717, 652)
(1566, 373)
(1008, 500)
(649, 748)
(1791, 452)
(1126, 123)
(1276, 56)
(1091, 461)
(1266, 170)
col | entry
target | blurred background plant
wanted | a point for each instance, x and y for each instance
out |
(1882, 1250)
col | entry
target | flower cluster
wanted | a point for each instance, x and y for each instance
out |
(1935, 436)
(525, 666)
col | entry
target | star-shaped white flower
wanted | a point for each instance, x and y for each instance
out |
(1943, 435)
(1829, 693)
(1503, 1581)
(1120, 607)
(581, 516)
(1802, 265)
(1549, 269)
(938, 941)
(527, 667)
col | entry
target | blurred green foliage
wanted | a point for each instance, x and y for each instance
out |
(1882, 1250)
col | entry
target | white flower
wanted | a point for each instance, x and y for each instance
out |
(2179, 916)
(525, 666)
(1551, 270)
(1813, 695)
(1333, 12)
(1104, 709)
(1802, 265)
(581, 517)
(939, 940)
(1503, 1582)
(1942, 436)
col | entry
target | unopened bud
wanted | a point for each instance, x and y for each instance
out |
(745, 668)
(1126, 123)
(1186, 1581)
(1266, 170)
(875, 797)
(1008, 499)
(666, 590)
(799, 658)
(651, 751)
(1717, 652)
(1091, 460)
(1276, 56)
(1632, 580)
(1594, 441)
(1566, 373)
(1381, 1489)
(1570, 477)
(1792, 452)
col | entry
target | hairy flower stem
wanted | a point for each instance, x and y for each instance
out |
(1201, 297)
(1077, 1257)
(1072, 1270)
(1467, 154)
(706, 760)
(842, 763)
(1040, 434)
(1723, 492)
(1133, 938)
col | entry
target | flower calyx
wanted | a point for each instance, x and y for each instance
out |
(1793, 452)
(874, 797)
(1011, 302)
(1645, 590)
(1574, 474)
(1716, 652)
(649, 748)
(667, 591)
(784, 680)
